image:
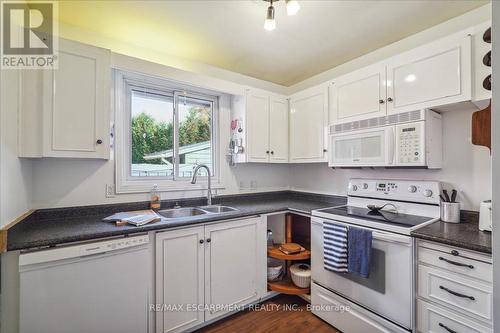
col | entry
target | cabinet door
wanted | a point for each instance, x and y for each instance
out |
(434, 75)
(278, 130)
(179, 278)
(232, 261)
(257, 118)
(77, 102)
(308, 123)
(358, 95)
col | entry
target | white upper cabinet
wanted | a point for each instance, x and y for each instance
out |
(433, 75)
(278, 133)
(257, 115)
(267, 127)
(71, 107)
(358, 95)
(308, 124)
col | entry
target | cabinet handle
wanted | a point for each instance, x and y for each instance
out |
(99, 141)
(272, 152)
(267, 151)
(456, 263)
(454, 293)
(447, 328)
(325, 150)
(208, 240)
(202, 241)
(454, 253)
(389, 99)
(381, 101)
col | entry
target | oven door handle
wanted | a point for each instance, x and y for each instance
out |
(393, 238)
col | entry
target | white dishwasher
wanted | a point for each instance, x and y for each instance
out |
(87, 288)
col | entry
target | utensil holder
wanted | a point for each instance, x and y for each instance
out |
(450, 212)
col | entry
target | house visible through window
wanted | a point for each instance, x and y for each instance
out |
(164, 133)
(168, 144)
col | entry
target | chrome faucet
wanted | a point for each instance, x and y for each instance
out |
(195, 175)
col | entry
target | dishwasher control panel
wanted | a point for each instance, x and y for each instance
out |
(81, 250)
(115, 244)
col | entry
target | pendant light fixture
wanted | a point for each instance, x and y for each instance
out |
(292, 7)
(270, 23)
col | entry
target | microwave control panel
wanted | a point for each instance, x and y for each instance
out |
(410, 144)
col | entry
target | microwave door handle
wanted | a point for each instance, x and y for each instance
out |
(390, 149)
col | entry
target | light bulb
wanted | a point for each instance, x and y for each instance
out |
(270, 23)
(292, 7)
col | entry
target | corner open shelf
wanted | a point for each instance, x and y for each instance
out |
(274, 252)
(286, 286)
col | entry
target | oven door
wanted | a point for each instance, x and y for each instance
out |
(363, 148)
(388, 291)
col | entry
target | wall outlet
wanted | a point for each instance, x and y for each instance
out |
(110, 190)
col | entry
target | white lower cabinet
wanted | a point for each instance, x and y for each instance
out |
(207, 271)
(454, 288)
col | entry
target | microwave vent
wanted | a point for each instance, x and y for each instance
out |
(378, 121)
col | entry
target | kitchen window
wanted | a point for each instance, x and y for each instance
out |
(163, 130)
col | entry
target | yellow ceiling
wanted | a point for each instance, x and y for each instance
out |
(229, 34)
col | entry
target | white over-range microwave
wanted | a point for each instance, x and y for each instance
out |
(410, 139)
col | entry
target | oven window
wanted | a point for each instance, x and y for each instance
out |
(376, 279)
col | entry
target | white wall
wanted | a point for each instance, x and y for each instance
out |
(15, 173)
(465, 167)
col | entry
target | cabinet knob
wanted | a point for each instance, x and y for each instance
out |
(267, 151)
(325, 150)
(381, 101)
(202, 241)
(99, 141)
(208, 240)
(272, 152)
(389, 99)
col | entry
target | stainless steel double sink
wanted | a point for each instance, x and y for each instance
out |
(176, 213)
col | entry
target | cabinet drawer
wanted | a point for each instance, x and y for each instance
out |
(460, 293)
(431, 318)
(459, 264)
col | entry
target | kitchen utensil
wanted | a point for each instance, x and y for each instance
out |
(446, 196)
(377, 208)
(450, 212)
(442, 198)
(453, 195)
(301, 275)
(485, 220)
(270, 238)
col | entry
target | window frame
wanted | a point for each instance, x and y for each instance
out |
(124, 84)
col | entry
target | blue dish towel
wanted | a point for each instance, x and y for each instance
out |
(335, 247)
(359, 254)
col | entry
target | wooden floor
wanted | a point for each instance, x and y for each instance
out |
(273, 316)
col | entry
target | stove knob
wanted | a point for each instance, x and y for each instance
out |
(353, 187)
(412, 189)
(427, 193)
(365, 186)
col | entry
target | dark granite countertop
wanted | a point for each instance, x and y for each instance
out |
(48, 227)
(465, 234)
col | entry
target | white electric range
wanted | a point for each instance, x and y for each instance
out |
(383, 302)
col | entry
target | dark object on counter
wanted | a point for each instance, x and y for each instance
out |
(481, 127)
(487, 59)
(446, 196)
(487, 83)
(487, 35)
(453, 195)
